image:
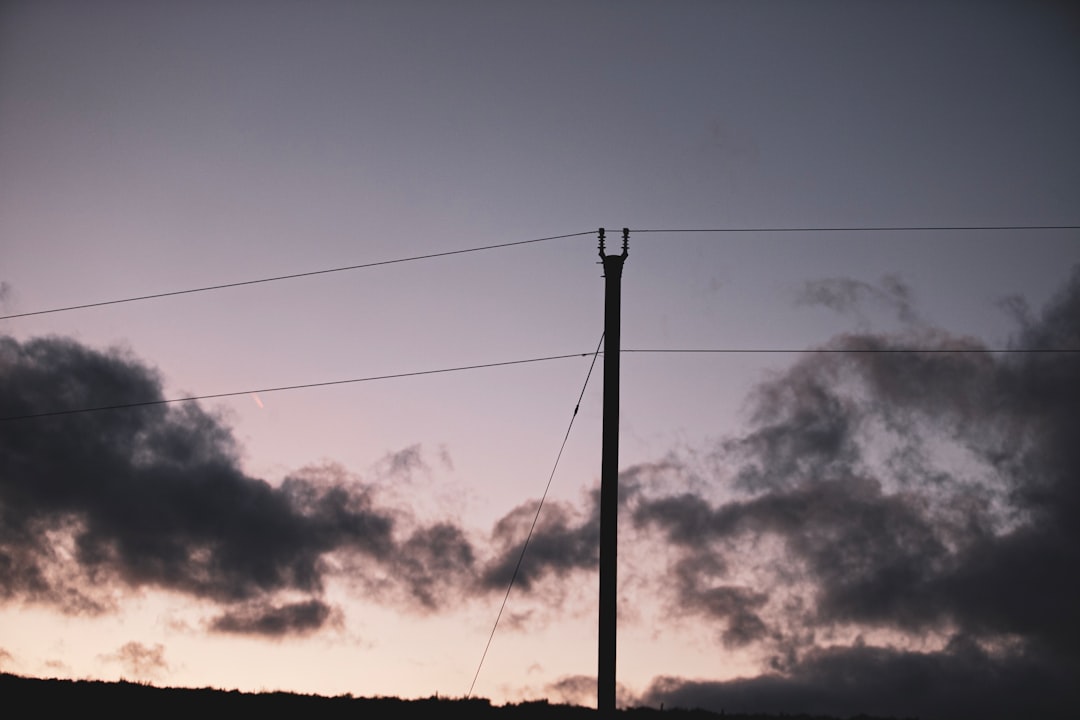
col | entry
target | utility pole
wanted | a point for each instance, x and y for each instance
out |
(609, 480)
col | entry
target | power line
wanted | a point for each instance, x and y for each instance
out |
(848, 351)
(372, 378)
(536, 517)
(294, 275)
(667, 351)
(462, 251)
(897, 228)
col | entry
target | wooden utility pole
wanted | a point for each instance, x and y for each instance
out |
(609, 480)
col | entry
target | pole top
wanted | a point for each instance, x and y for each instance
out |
(625, 244)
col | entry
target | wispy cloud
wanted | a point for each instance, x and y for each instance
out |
(139, 660)
(857, 297)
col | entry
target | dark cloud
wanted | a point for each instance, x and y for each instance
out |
(868, 553)
(436, 562)
(961, 681)
(266, 619)
(736, 605)
(913, 489)
(92, 503)
(139, 660)
(95, 503)
(565, 539)
(919, 495)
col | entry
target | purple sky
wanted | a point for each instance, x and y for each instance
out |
(899, 521)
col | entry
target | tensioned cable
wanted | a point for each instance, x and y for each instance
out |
(854, 351)
(535, 518)
(670, 351)
(282, 388)
(535, 240)
(295, 275)
(862, 229)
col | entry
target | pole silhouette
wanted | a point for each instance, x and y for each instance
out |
(609, 480)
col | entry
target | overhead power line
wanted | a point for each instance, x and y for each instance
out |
(539, 507)
(462, 251)
(849, 351)
(372, 378)
(293, 276)
(439, 371)
(496, 246)
(879, 228)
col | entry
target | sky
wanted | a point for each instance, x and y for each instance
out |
(834, 532)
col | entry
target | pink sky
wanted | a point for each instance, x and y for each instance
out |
(150, 147)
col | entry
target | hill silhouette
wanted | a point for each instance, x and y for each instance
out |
(129, 698)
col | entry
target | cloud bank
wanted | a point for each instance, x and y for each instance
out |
(895, 532)
(92, 504)
(901, 536)
(96, 504)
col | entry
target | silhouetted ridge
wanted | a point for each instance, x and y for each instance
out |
(136, 698)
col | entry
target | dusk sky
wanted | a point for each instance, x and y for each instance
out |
(833, 532)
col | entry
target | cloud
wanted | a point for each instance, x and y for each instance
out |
(436, 562)
(565, 539)
(141, 661)
(266, 619)
(926, 500)
(93, 503)
(404, 462)
(573, 689)
(581, 690)
(99, 503)
(851, 297)
(58, 666)
(736, 605)
(962, 680)
(897, 519)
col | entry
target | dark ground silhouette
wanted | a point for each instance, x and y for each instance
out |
(128, 699)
